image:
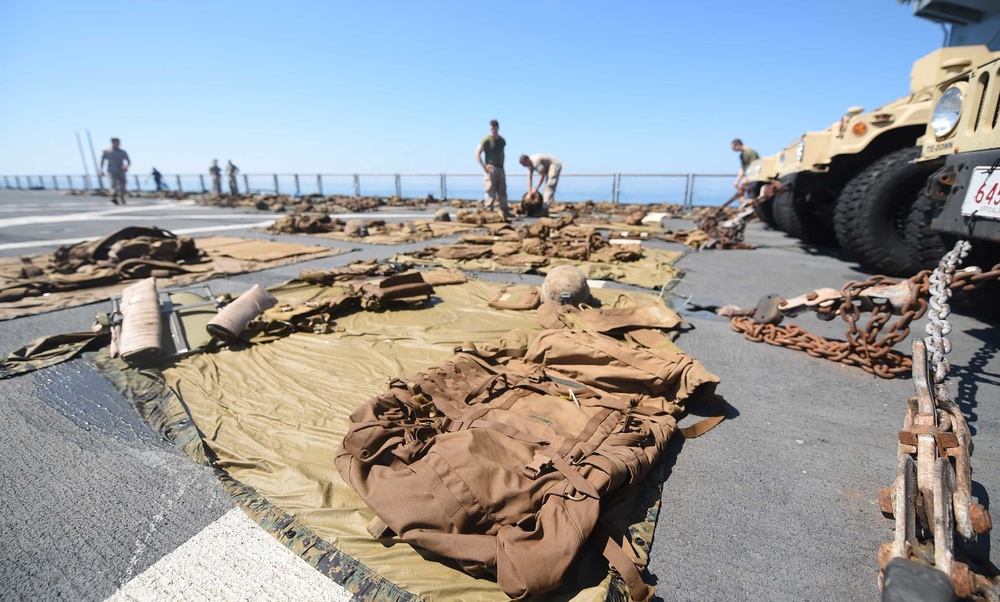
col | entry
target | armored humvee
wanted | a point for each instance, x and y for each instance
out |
(836, 184)
(962, 197)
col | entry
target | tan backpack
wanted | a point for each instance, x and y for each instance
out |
(500, 458)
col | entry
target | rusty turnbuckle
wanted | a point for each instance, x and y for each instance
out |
(868, 346)
(931, 498)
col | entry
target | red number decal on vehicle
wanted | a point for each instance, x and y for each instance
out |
(980, 194)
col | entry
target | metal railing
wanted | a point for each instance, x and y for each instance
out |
(686, 189)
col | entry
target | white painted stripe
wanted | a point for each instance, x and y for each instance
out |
(72, 241)
(231, 559)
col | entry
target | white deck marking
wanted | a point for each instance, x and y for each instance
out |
(72, 241)
(231, 559)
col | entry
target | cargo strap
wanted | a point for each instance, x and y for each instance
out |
(703, 426)
(620, 560)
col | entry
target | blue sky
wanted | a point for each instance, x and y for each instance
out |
(343, 87)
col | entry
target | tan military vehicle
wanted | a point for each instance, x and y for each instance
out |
(835, 184)
(962, 197)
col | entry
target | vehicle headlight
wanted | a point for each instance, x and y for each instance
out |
(800, 150)
(944, 119)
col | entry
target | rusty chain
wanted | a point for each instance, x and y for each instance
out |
(931, 497)
(725, 226)
(868, 346)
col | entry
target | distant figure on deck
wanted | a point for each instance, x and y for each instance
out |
(216, 172)
(118, 163)
(158, 180)
(548, 168)
(489, 154)
(747, 156)
(232, 171)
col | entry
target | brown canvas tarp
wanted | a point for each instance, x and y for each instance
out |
(228, 255)
(273, 416)
(653, 270)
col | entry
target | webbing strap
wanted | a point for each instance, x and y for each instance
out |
(621, 562)
(577, 480)
(449, 503)
(701, 427)
(478, 411)
(587, 433)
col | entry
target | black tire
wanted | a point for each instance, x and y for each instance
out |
(908, 581)
(764, 210)
(792, 219)
(926, 245)
(870, 221)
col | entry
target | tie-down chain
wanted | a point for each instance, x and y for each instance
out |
(868, 346)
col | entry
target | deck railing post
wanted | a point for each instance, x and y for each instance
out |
(246, 183)
(298, 191)
(399, 187)
(17, 180)
(276, 191)
(319, 183)
(55, 183)
(444, 187)
(179, 187)
(357, 185)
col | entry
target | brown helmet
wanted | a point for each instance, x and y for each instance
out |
(565, 284)
(356, 227)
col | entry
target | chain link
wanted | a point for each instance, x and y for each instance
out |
(870, 346)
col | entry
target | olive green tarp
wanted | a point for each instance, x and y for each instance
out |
(418, 231)
(270, 417)
(229, 255)
(655, 269)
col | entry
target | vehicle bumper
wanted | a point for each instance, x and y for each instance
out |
(950, 220)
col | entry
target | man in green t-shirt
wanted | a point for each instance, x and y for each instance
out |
(489, 154)
(747, 156)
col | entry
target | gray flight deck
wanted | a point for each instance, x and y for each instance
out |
(780, 502)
